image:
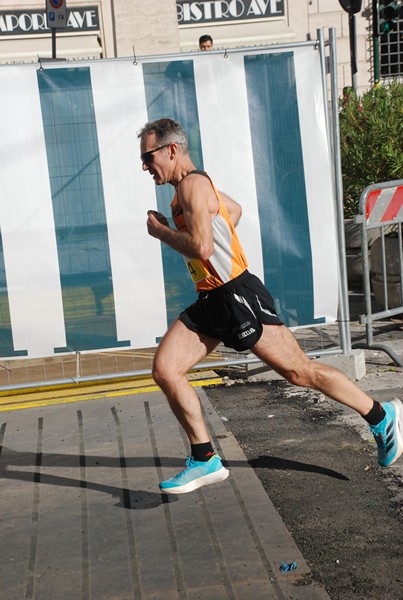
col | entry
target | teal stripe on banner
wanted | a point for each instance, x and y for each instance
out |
(280, 182)
(79, 211)
(6, 335)
(170, 92)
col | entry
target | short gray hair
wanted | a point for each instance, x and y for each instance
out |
(166, 131)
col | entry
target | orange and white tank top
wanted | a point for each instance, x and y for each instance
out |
(228, 259)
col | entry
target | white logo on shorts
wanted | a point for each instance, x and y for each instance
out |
(246, 333)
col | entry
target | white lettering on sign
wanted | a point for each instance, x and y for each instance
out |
(38, 22)
(258, 7)
(227, 10)
(82, 19)
(8, 23)
(78, 20)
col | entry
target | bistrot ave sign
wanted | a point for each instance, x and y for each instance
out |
(213, 11)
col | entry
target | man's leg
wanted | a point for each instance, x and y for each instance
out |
(278, 348)
(178, 352)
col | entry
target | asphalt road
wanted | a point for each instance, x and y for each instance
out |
(317, 461)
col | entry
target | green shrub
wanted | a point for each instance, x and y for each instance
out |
(371, 140)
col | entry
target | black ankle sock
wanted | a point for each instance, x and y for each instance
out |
(375, 415)
(202, 452)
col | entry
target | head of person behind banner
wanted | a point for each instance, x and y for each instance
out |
(205, 42)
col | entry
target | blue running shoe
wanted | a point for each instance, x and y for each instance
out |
(388, 433)
(195, 475)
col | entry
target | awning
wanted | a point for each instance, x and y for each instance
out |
(83, 46)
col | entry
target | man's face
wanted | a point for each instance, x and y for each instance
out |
(206, 45)
(155, 158)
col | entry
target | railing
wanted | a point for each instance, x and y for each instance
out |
(81, 367)
(381, 207)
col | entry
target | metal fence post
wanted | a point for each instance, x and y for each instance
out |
(344, 318)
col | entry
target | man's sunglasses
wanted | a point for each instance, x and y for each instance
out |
(147, 157)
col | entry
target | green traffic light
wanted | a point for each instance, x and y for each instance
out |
(385, 27)
(390, 12)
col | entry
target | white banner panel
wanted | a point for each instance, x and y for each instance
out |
(26, 218)
(318, 183)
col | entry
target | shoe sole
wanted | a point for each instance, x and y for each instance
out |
(215, 477)
(398, 429)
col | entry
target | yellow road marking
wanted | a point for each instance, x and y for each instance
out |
(74, 389)
(64, 396)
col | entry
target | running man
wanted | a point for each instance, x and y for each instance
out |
(233, 307)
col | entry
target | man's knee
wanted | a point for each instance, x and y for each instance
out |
(297, 377)
(160, 372)
(317, 375)
(165, 373)
(312, 374)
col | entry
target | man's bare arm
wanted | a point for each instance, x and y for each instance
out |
(197, 242)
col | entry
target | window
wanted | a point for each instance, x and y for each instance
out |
(391, 52)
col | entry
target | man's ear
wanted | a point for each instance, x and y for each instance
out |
(173, 150)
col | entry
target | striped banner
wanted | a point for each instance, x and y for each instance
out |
(384, 205)
(78, 269)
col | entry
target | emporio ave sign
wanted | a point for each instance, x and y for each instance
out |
(211, 11)
(23, 22)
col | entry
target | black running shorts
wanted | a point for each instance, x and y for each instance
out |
(233, 313)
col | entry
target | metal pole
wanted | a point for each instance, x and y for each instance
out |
(365, 265)
(54, 42)
(375, 39)
(321, 40)
(344, 313)
(353, 50)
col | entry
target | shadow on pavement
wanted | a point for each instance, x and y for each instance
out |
(283, 464)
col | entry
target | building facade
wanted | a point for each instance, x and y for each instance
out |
(115, 28)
